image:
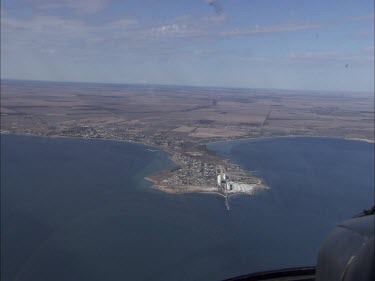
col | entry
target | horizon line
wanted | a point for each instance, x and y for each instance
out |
(191, 86)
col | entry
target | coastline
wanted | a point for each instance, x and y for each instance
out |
(195, 190)
(81, 138)
(293, 136)
(178, 189)
(211, 142)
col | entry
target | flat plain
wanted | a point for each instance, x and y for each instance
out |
(196, 114)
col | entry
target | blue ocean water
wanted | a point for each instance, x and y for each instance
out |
(76, 209)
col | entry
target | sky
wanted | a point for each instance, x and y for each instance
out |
(280, 44)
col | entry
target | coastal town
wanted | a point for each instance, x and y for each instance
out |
(197, 170)
(182, 121)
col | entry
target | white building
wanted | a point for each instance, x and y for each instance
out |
(219, 179)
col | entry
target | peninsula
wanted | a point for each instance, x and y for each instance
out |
(182, 120)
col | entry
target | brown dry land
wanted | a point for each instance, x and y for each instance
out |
(194, 114)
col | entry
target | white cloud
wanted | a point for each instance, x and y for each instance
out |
(75, 37)
(329, 57)
(79, 6)
(257, 59)
(291, 27)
